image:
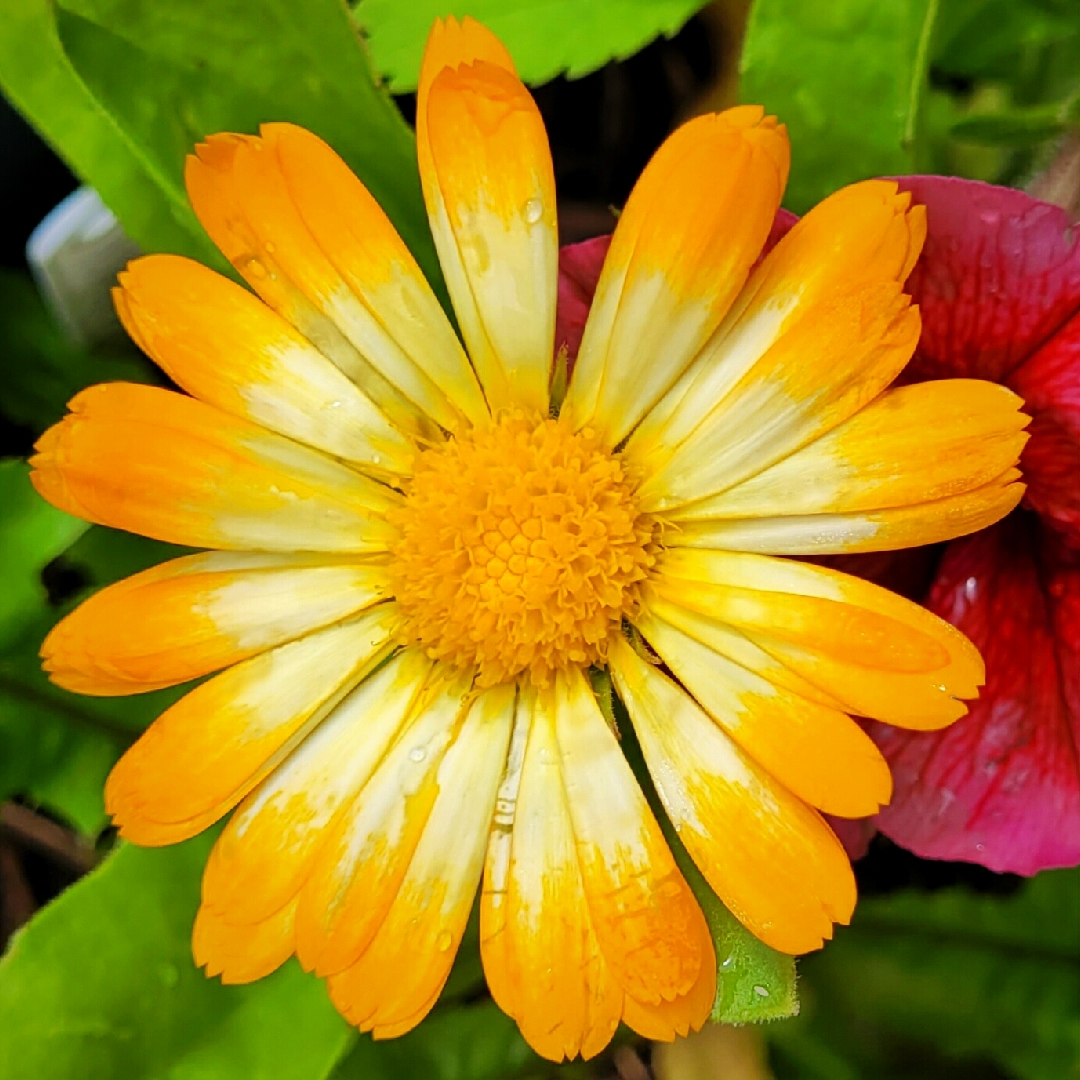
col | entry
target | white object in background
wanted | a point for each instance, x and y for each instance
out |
(75, 254)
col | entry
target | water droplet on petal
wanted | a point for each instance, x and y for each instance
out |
(534, 209)
(417, 753)
(269, 247)
(444, 940)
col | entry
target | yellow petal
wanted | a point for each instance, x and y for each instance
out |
(205, 753)
(541, 955)
(649, 926)
(821, 328)
(242, 953)
(819, 754)
(874, 653)
(768, 856)
(584, 917)
(872, 530)
(227, 348)
(910, 446)
(364, 859)
(310, 239)
(490, 191)
(267, 850)
(693, 226)
(188, 617)
(170, 467)
(399, 977)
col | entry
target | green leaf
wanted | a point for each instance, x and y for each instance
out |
(545, 37)
(171, 74)
(475, 1042)
(996, 39)
(966, 973)
(42, 369)
(56, 748)
(32, 534)
(101, 985)
(36, 77)
(1016, 127)
(847, 77)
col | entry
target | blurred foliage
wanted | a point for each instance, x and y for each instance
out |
(923, 982)
(101, 983)
(138, 1007)
(42, 369)
(847, 77)
(974, 88)
(545, 37)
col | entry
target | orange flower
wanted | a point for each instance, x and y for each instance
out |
(421, 554)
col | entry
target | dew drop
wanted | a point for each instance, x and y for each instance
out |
(417, 753)
(728, 962)
(269, 247)
(255, 268)
(761, 991)
(534, 208)
(444, 940)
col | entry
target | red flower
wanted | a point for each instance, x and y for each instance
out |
(999, 289)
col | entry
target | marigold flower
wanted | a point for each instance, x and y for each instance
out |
(423, 552)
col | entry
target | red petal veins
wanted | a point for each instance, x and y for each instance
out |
(1001, 787)
(1049, 382)
(999, 274)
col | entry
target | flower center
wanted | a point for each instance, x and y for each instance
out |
(521, 550)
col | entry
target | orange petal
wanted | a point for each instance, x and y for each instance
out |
(194, 615)
(771, 859)
(489, 186)
(821, 328)
(393, 985)
(168, 466)
(910, 446)
(268, 848)
(648, 924)
(205, 753)
(874, 653)
(872, 530)
(819, 754)
(364, 859)
(693, 226)
(662, 1021)
(242, 954)
(541, 956)
(310, 239)
(227, 348)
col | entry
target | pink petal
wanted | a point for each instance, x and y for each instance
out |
(1001, 787)
(579, 271)
(999, 274)
(1049, 382)
(854, 833)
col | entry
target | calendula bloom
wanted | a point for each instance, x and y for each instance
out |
(426, 555)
